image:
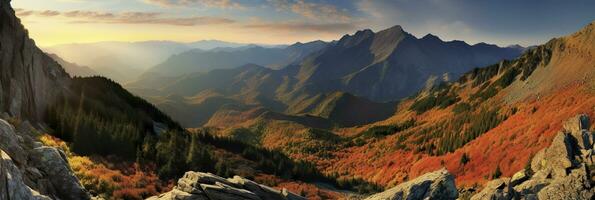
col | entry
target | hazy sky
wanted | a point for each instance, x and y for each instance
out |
(501, 22)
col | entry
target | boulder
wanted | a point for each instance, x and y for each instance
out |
(435, 185)
(12, 186)
(9, 142)
(53, 164)
(207, 186)
(499, 189)
(558, 157)
(578, 127)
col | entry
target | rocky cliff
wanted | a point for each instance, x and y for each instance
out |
(206, 186)
(28, 77)
(30, 170)
(29, 80)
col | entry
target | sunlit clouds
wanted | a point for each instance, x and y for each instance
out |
(53, 22)
(78, 16)
(227, 4)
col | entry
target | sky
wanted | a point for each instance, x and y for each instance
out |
(501, 22)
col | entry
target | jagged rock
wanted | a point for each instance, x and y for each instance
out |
(197, 178)
(9, 142)
(207, 186)
(519, 177)
(499, 189)
(556, 158)
(29, 79)
(435, 185)
(12, 186)
(560, 171)
(222, 191)
(574, 186)
(260, 190)
(54, 164)
(578, 127)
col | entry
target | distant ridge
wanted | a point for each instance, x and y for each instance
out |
(375, 67)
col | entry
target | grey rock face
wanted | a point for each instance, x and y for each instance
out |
(34, 173)
(10, 144)
(29, 79)
(12, 185)
(207, 186)
(498, 189)
(52, 162)
(561, 171)
(435, 185)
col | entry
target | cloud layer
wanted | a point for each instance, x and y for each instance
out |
(78, 16)
(225, 4)
(312, 11)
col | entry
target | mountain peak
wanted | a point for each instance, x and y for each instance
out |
(359, 36)
(365, 32)
(430, 37)
(515, 46)
(396, 28)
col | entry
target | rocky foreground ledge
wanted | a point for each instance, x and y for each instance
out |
(207, 186)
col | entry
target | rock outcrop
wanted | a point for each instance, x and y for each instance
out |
(206, 186)
(29, 79)
(564, 170)
(435, 185)
(31, 171)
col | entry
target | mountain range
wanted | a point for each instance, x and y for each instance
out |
(372, 67)
(124, 61)
(199, 60)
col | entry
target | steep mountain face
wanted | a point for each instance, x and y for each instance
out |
(392, 63)
(199, 60)
(29, 78)
(72, 68)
